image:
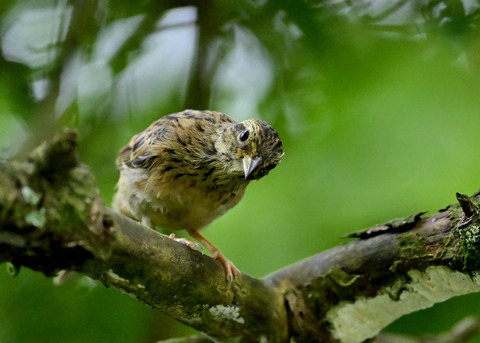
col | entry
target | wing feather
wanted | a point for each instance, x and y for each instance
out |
(174, 132)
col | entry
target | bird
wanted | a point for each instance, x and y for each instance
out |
(188, 168)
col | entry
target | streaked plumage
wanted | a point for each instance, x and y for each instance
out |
(188, 168)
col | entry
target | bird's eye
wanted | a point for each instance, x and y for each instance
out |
(244, 135)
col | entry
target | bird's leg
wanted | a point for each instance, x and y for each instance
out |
(215, 253)
(194, 246)
(184, 241)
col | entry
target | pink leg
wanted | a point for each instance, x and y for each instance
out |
(215, 253)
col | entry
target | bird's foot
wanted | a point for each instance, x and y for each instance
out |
(230, 268)
(215, 253)
(191, 245)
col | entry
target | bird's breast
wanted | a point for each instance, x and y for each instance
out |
(181, 203)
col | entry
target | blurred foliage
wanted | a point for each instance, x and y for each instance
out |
(377, 104)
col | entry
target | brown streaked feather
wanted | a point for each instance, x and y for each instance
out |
(176, 132)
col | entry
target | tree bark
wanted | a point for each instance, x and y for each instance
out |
(52, 218)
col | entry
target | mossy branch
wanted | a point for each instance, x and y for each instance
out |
(52, 218)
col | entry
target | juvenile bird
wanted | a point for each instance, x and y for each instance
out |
(188, 168)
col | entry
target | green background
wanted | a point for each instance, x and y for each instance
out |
(377, 106)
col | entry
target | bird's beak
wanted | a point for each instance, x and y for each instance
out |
(251, 164)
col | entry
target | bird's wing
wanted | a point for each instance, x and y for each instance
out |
(147, 145)
(173, 133)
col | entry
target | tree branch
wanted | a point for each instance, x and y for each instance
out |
(52, 218)
(355, 290)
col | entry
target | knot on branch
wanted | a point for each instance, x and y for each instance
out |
(57, 155)
(302, 322)
(469, 208)
(49, 208)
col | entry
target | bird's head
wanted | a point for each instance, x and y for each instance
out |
(251, 148)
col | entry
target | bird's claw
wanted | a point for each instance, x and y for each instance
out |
(184, 241)
(230, 268)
